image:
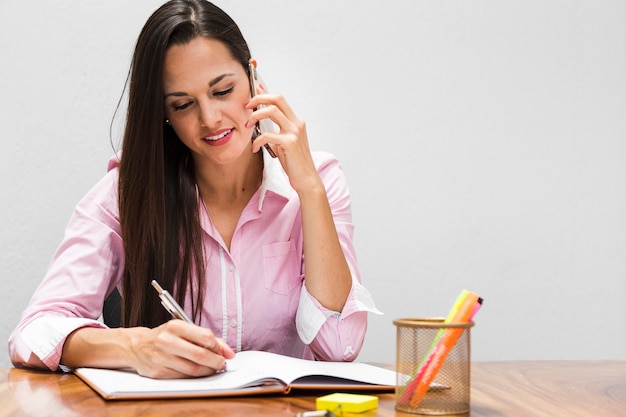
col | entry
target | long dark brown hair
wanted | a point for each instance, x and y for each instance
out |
(158, 201)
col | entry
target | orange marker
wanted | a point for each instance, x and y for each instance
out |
(408, 390)
(446, 343)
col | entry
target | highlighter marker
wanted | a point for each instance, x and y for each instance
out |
(445, 345)
(465, 299)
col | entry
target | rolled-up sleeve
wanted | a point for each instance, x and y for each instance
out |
(334, 336)
(85, 268)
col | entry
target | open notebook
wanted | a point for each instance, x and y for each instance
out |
(250, 372)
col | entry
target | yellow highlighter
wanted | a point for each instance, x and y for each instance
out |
(347, 403)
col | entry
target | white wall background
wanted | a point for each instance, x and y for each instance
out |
(484, 142)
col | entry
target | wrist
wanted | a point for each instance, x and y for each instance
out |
(314, 188)
(133, 342)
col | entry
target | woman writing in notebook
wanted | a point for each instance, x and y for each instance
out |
(257, 250)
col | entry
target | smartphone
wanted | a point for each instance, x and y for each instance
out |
(265, 125)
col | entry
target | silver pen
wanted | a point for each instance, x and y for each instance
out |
(317, 413)
(175, 309)
(170, 304)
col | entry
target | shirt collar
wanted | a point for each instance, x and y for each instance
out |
(274, 178)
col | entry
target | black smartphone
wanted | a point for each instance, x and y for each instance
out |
(264, 125)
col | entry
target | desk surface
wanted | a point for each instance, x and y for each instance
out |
(504, 389)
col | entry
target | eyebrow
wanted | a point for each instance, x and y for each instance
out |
(211, 84)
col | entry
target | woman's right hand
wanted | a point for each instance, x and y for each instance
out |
(178, 349)
(175, 349)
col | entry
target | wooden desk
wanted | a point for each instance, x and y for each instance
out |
(503, 389)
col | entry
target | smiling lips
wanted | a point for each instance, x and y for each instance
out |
(219, 138)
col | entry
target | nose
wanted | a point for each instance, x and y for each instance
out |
(210, 114)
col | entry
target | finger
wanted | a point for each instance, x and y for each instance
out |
(272, 99)
(162, 363)
(280, 142)
(176, 367)
(201, 362)
(272, 113)
(226, 351)
(197, 345)
(200, 336)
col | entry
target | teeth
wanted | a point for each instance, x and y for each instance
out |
(220, 136)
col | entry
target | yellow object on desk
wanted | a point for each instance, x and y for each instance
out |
(349, 403)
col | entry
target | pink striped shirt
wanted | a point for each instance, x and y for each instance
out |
(255, 294)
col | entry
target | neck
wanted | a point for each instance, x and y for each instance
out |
(227, 183)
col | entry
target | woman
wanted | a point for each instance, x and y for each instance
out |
(257, 250)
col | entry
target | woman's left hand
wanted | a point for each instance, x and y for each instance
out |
(290, 143)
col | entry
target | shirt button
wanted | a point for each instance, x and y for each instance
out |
(233, 323)
(231, 267)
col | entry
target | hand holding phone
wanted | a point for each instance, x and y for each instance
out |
(264, 125)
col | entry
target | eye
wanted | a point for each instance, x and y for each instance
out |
(182, 106)
(224, 92)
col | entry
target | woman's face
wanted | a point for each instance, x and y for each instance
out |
(206, 91)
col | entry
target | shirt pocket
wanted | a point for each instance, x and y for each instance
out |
(281, 267)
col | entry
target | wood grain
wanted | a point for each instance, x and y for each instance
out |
(503, 389)
(549, 388)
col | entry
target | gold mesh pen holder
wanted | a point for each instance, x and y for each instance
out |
(424, 350)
